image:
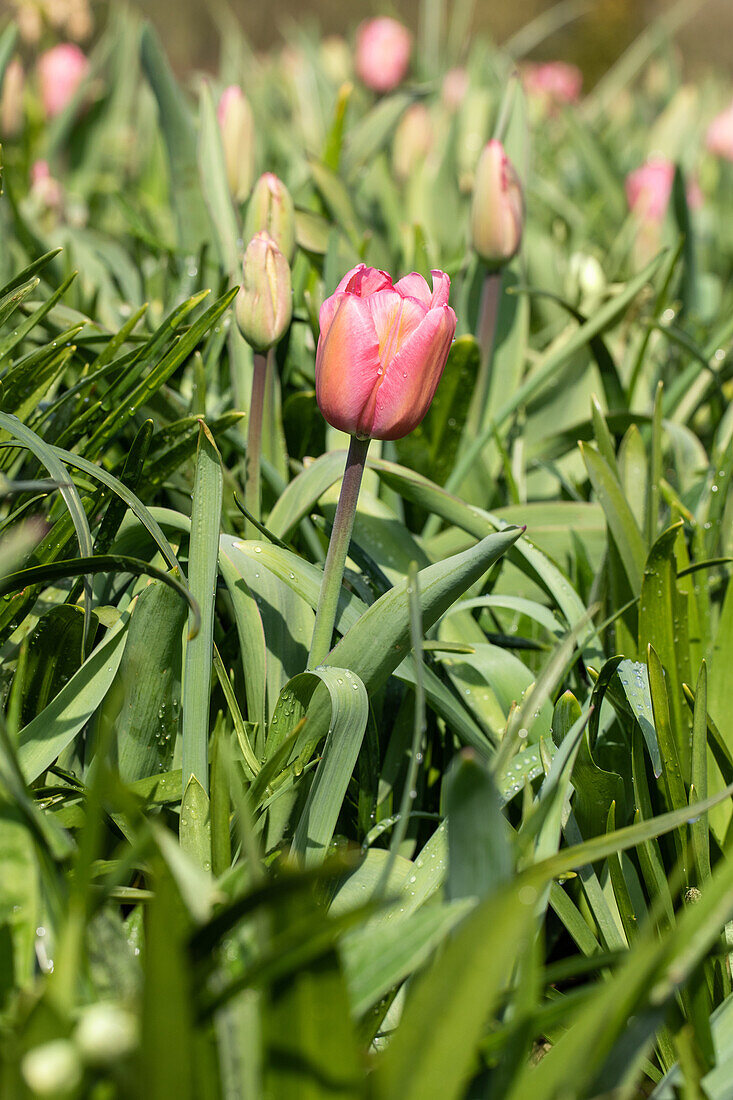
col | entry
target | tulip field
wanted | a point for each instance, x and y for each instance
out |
(366, 536)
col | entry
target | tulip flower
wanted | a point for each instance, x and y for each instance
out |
(60, 72)
(383, 48)
(497, 210)
(237, 135)
(648, 189)
(719, 138)
(554, 83)
(381, 353)
(264, 309)
(271, 211)
(412, 141)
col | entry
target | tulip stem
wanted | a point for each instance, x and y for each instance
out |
(488, 313)
(333, 570)
(262, 363)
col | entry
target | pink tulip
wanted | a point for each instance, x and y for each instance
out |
(719, 138)
(238, 140)
(497, 209)
(60, 72)
(381, 351)
(649, 187)
(383, 48)
(555, 82)
(44, 187)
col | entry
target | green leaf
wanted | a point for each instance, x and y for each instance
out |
(214, 185)
(149, 685)
(180, 141)
(621, 523)
(480, 856)
(349, 707)
(195, 827)
(202, 573)
(461, 990)
(41, 741)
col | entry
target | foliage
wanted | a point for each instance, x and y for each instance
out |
(481, 850)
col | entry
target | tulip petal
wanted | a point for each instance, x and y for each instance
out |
(409, 382)
(441, 289)
(347, 364)
(395, 319)
(344, 284)
(363, 281)
(414, 286)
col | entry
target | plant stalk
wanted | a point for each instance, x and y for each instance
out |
(262, 364)
(488, 313)
(333, 570)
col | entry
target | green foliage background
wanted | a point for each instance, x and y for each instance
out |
(482, 851)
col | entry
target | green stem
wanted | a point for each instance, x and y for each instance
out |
(262, 363)
(333, 570)
(489, 310)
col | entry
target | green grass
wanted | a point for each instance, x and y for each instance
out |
(483, 850)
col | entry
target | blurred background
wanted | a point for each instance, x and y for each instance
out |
(592, 40)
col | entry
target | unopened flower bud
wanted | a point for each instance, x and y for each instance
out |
(271, 211)
(52, 1069)
(383, 48)
(719, 137)
(60, 72)
(586, 280)
(11, 102)
(237, 136)
(105, 1033)
(264, 304)
(497, 210)
(412, 141)
(455, 87)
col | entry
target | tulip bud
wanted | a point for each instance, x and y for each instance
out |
(719, 138)
(383, 48)
(60, 72)
(271, 211)
(237, 136)
(586, 280)
(412, 141)
(553, 83)
(264, 303)
(497, 210)
(105, 1033)
(455, 87)
(52, 1069)
(648, 189)
(45, 189)
(335, 57)
(11, 102)
(381, 351)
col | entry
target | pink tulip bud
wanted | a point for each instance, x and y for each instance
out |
(265, 301)
(11, 102)
(271, 211)
(554, 82)
(497, 209)
(237, 135)
(60, 72)
(381, 351)
(649, 187)
(455, 86)
(719, 138)
(383, 48)
(44, 188)
(412, 141)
